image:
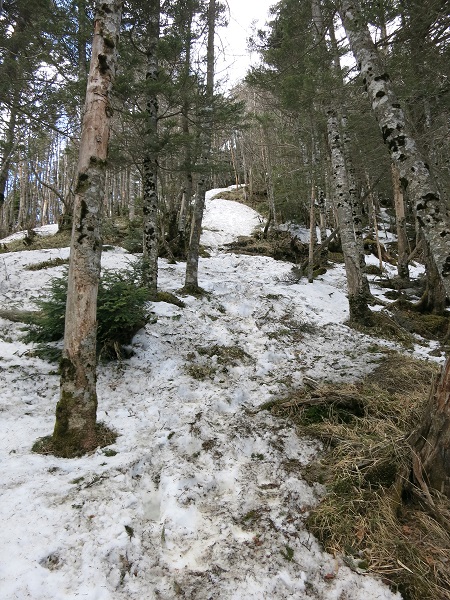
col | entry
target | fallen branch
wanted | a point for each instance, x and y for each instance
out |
(320, 248)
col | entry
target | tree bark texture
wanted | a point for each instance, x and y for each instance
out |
(191, 280)
(75, 426)
(150, 178)
(187, 167)
(400, 219)
(414, 171)
(355, 201)
(312, 233)
(357, 293)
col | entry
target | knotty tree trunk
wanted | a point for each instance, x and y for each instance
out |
(191, 279)
(150, 178)
(433, 216)
(75, 426)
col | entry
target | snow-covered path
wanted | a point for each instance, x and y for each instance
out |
(204, 498)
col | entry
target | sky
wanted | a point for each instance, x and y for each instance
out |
(233, 39)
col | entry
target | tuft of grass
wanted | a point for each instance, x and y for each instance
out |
(226, 355)
(47, 264)
(170, 299)
(201, 372)
(288, 553)
(385, 326)
(366, 514)
(194, 290)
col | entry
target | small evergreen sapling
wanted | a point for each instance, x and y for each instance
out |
(121, 311)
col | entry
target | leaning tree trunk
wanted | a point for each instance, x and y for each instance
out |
(150, 178)
(433, 216)
(191, 279)
(75, 427)
(357, 293)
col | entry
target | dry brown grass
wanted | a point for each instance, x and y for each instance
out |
(369, 514)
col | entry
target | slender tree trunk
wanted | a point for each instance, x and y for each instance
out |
(75, 426)
(357, 294)
(150, 178)
(434, 218)
(269, 177)
(191, 280)
(186, 197)
(354, 198)
(400, 218)
(312, 232)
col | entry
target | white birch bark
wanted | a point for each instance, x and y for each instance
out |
(433, 216)
(75, 426)
(357, 293)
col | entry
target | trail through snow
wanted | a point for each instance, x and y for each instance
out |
(204, 498)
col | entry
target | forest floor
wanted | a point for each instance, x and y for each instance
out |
(202, 496)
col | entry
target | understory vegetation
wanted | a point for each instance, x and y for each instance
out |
(121, 311)
(372, 513)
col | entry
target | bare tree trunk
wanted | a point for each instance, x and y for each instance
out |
(434, 218)
(191, 279)
(267, 155)
(150, 178)
(357, 294)
(400, 218)
(312, 233)
(75, 426)
(186, 197)
(354, 199)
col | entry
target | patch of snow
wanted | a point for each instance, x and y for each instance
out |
(44, 230)
(205, 493)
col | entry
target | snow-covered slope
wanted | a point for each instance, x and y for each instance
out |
(204, 498)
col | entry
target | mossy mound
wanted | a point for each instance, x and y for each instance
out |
(104, 437)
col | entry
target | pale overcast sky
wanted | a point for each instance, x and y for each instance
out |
(232, 40)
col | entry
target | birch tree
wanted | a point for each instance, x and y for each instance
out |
(75, 429)
(430, 442)
(415, 175)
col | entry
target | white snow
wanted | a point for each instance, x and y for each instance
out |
(45, 230)
(205, 494)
